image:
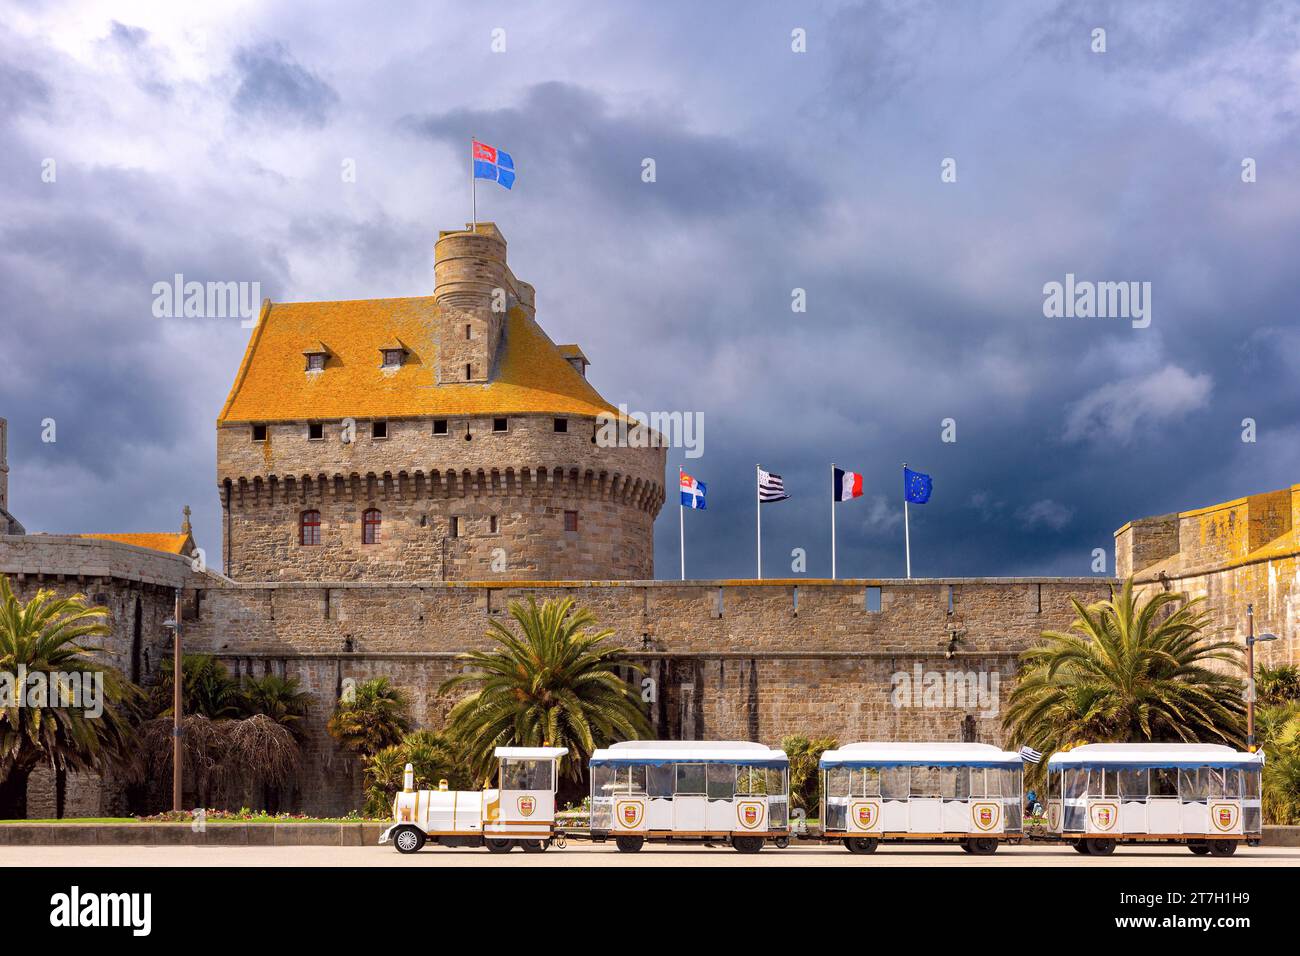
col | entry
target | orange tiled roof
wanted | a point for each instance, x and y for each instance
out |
(171, 543)
(272, 384)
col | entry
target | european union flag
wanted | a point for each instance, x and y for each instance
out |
(916, 486)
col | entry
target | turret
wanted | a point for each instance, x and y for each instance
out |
(474, 291)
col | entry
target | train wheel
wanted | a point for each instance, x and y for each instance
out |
(1200, 849)
(499, 846)
(1222, 847)
(983, 846)
(747, 844)
(965, 846)
(862, 844)
(629, 844)
(534, 846)
(782, 842)
(1099, 847)
(408, 840)
(1080, 846)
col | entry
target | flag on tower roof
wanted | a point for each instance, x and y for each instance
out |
(494, 164)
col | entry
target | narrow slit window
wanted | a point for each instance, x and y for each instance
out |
(453, 527)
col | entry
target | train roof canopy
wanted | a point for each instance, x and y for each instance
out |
(530, 753)
(929, 754)
(1137, 756)
(661, 752)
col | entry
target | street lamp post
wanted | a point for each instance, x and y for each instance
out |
(1251, 641)
(173, 624)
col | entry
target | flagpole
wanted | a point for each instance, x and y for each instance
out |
(473, 186)
(907, 531)
(758, 514)
(833, 490)
(681, 520)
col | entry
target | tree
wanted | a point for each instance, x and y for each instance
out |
(433, 758)
(373, 716)
(547, 683)
(206, 688)
(281, 699)
(41, 720)
(1129, 671)
(1277, 685)
(805, 778)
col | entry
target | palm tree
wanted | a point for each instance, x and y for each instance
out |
(45, 637)
(546, 684)
(1129, 672)
(432, 757)
(281, 699)
(805, 778)
(1277, 685)
(373, 716)
(1278, 727)
(206, 688)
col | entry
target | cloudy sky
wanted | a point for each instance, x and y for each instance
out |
(211, 144)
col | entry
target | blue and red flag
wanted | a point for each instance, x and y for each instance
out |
(494, 164)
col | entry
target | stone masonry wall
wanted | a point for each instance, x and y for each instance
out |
(527, 477)
(726, 659)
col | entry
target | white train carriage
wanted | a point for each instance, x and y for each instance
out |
(1206, 796)
(963, 793)
(690, 790)
(520, 811)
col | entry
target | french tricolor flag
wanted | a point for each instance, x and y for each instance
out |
(846, 485)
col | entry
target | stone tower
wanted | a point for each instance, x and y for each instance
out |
(442, 437)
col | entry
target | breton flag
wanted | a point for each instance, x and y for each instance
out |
(693, 492)
(1030, 755)
(494, 164)
(846, 485)
(771, 487)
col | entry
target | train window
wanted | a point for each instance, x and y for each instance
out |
(925, 781)
(1076, 783)
(690, 778)
(1194, 784)
(1231, 784)
(525, 774)
(1164, 782)
(995, 782)
(1133, 784)
(660, 780)
(954, 783)
(721, 781)
(837, 782)
(602, 780)
(635, 776)
(751, 781)
(894, 783)
(776, 784)
(977, 784)
(1054, 785)
(866, 782)
(1250, 781)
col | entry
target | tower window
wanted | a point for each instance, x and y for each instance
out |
(259, 433)
(467, 333)
(494, 524)
(315, 431)
(468, 371)
(571, 521)
(561, 424)
(500, 424)
(371, 519)
(379, 429)
(453, 527)
(309, 528)
(440, 426)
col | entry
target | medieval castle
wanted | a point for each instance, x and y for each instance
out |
(393, 472)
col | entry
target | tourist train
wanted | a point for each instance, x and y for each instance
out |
(1202, 796)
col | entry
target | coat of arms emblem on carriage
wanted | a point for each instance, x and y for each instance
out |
(986, 816)
(527, 805)
(865, 814)
(1225, 817)
(751, 814)
(1103, 816)
(629, 813)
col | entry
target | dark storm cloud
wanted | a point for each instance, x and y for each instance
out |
(275, 87)
(775, 171)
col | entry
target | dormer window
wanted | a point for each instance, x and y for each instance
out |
(393, 354)
(316, 357)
